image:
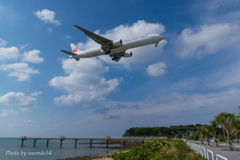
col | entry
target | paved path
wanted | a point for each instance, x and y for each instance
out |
(230, 155)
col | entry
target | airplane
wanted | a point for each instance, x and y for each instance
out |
(115, 49)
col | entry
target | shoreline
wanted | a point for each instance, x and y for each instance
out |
(98, 156)
(129, 144)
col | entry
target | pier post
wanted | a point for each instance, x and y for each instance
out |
(61, 143)
(90, 143)
(142, 141)
(124, 143)
(76, 142)
(22, 141)
(107, 143)
(34, 142)
(62, 138)
(47, 142)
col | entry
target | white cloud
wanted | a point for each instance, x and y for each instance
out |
(50, 29)
(2, 42)
(19, 100)
(209, 39)
(23, 46)
(8, 53)
(28, 121)
(7, 112)
(83, 83)
(157, 69)
(13, 125)
(20, 70)
(36, 93)
(68, 37)
(32, 56)
(124, 32)
(47, 16)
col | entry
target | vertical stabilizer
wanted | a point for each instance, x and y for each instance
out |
(74, 48)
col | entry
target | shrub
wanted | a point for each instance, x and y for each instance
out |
(157, 150)
(196, 138)
(190, 138)
(221, 138)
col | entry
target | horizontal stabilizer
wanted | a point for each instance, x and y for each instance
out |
(70, 53)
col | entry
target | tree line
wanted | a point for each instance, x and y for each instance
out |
(180, 131)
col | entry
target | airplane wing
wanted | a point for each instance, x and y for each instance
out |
(99, 39)
(70, 53)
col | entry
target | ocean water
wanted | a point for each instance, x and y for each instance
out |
(11, 149)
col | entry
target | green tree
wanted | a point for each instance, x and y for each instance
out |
(238, 112)
(199, 133)
(212, 130)
(235, 127)
(224, 119)
(205, 133)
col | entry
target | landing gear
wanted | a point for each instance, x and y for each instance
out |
(116, 58)
(156, 44)
(108, 51)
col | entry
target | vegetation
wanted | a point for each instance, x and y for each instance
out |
(224, 120)
(199, 132)
(238, 112)
(195, 138)
(159, 150)
(169, 132)
(221, 138)
(212, 130)
(235, 126)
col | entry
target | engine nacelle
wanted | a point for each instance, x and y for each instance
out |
(117, 43)
(127, 54)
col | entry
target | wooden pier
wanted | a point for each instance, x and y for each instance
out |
(90, 139)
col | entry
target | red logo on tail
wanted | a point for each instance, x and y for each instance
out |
(74, 49)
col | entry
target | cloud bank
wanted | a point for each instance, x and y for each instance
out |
(20, 70)
(32, 57)
(83, 82)
(19, 100)
(8, 53)
(208, 39)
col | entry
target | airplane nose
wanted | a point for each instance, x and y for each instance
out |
(162, 37)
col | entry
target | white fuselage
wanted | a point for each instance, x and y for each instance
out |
(127, 44)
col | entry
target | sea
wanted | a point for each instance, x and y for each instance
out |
(12, 149)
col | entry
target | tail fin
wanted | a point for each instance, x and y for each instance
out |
(74, 48)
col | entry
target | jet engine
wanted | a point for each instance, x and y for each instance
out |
(127, 54)
(117, 43)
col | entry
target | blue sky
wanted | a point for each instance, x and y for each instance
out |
(192, 75)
